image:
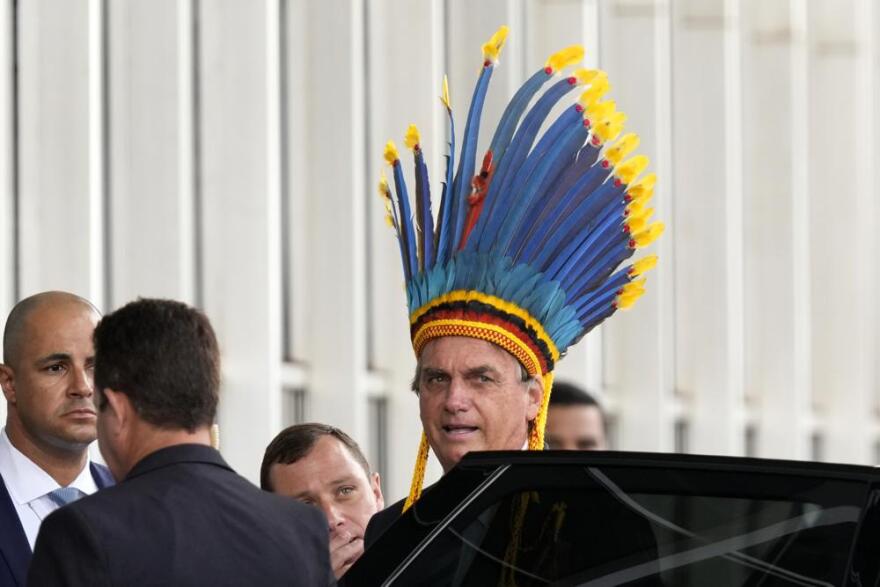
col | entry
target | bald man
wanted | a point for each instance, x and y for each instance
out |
(46, 376)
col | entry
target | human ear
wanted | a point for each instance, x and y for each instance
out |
(376, 487)
(534, 398)
(7, 382)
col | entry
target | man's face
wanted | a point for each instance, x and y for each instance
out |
(49, 388)
(330, 478)
(575, 427)
(472, 397)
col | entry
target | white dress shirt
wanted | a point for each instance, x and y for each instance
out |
(29, 485)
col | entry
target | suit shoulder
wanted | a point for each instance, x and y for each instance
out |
(381, 521)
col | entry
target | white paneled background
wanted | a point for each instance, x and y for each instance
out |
(225, 153)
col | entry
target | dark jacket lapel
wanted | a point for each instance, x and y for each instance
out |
(15, 551)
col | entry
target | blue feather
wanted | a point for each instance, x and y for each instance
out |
(461, 186)
(556, 139)
(445, 214)
(408, 237)
(602, 226)
(581, 221)
(545, 228)
(514, 111)
(550, 164)
(507, 166)
(425, 217)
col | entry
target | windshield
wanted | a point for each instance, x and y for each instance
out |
(581, 525)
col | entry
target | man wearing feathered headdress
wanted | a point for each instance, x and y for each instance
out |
(520, 262)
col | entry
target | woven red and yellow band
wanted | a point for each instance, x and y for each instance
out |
(477, 315)
(484, 331)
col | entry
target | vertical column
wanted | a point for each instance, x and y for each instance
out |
(151, 179)
(61, 147)
(705, 226)
(239, 175)
(842, 226)
(8, 194)
(774, 302)
(638, 351)
(414, 53)
(335, 189)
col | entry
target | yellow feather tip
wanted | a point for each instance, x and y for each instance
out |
(585, 76)
(631, 168)
(412, 137)
(599, 111)
(492, 47)
(642, 190)
(599, 86)
(564, 58)
(444, 97)
(648, 235)
(384, 191)
(625, 302)
(622, 147)
(610, 127)
(391, 154)
(643, 265)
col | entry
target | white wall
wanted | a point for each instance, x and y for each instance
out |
(225, 152)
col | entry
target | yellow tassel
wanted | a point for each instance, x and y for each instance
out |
(444, 97)
(562, 59)
(412, 137)
(631, 168)
(391, 155)
(492, 47)
(415, 488)
(643, 265)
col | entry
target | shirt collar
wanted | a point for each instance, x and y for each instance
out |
(26, 481)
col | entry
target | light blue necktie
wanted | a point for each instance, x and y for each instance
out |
(65, 495)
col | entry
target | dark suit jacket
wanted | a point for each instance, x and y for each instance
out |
(381, 521)
(15, 552)
(183, 517)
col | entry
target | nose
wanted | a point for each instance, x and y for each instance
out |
(457, 397)
(335, 520)
(83, 384)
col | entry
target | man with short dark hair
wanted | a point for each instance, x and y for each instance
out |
(575, 420)
(323, 466)
(180, 515)
(46, 376)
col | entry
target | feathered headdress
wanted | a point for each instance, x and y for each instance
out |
(524, 251)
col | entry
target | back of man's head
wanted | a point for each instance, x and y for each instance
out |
(575, 420)
(163, 355)
(295, 442)
(568, 394)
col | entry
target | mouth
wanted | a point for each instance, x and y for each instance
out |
(459, 430)
(81, 413)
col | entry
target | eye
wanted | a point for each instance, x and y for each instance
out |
(485, 379)
(54, 368)
(346, 490)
